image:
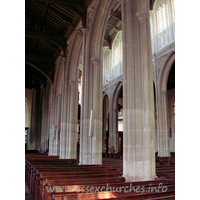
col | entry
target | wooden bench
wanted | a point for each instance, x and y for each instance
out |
(114, 195)
(43, 172)
(38, 166)
(48, 193)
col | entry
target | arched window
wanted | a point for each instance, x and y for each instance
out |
(162, 22)
(152, 27)
(173, 9)
(162, 13)
(106, 64)
(117, 56)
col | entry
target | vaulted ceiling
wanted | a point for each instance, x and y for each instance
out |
(48, 25)
(114, 23)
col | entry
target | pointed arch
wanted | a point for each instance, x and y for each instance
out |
(116, 94)
(117, 56)
(59, 75)
(27, 113)
(163, 78)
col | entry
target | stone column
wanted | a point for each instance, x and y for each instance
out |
(71, 140)
(45, 108)
(138, 101)
(113, 126)
(56, 126)
(91, 141)
(57, 122)
(97, 115)
(63, 123)
(91, 133)
(32, 137)
(49, 129)
(52, 130)
(163, 131)
(84, 143)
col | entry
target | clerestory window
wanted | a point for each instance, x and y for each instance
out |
(162, 13)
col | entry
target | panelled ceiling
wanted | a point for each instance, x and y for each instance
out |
(48, 25)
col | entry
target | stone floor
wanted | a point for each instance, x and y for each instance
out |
(27, 193)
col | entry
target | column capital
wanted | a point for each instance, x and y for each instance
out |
(83, 30)
(164, 92)
(142, 16)
(63, 58)
(71, 82)
(95, 61)
(79, 32)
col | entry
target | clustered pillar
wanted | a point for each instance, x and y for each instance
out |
(113, 127)
(91, 119)
(138, 101)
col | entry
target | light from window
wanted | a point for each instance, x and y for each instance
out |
(162, 16)
(106, 63)
(116, 55)
(173, 8)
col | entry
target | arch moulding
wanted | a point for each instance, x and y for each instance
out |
(116, 94)
(163, 78)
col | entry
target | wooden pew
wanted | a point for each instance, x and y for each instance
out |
(48, 193)
(113, 195)
(43, 172)
(54, 167)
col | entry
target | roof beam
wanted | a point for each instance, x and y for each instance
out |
(42, 21)
(44, 16)
(36, 20)
(71, 27)
(64, 17)
(112, 26)
(55, 39)
(63, 3)
(75, 8)
(39, 58)
(117, 6)
(35, 48)
(42, 35)
(41, 71)
(116, 16)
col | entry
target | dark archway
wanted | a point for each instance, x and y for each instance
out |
(171, 106)
(120, 122)
(105, 127)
